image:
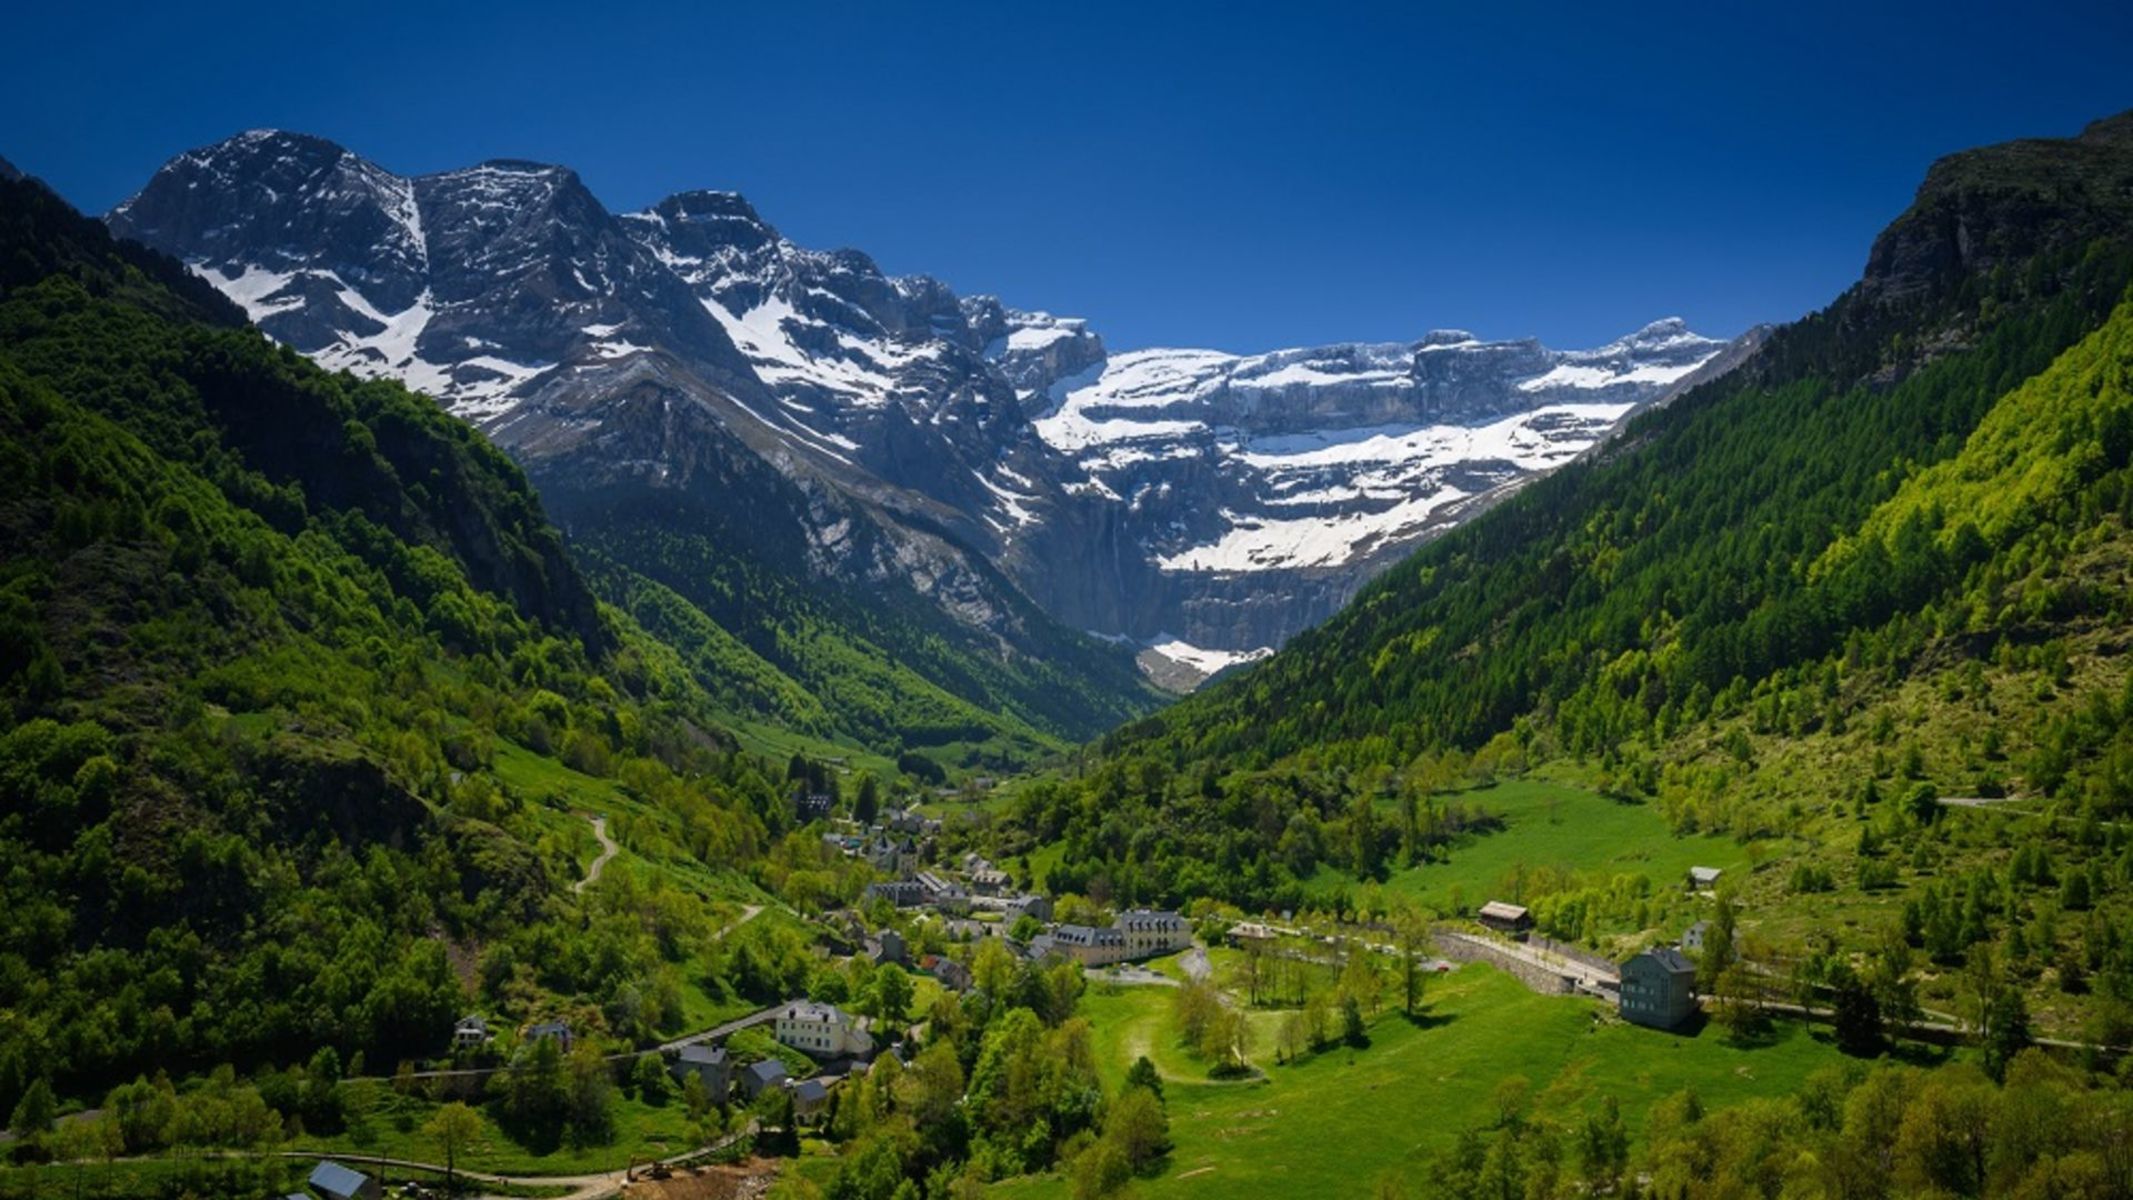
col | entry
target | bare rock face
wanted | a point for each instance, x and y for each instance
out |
(881, 431)
(2005, 203)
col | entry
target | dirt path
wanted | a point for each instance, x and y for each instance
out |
(2025, 806)
(608, 850)
(749, 912)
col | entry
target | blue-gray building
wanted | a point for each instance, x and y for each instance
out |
(1658, 988)
(336, 1182)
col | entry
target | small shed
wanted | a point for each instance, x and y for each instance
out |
(1658, 988)
(336, 1182)
(1505, 918)
(1703, 879)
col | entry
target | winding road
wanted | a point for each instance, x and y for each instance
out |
(608, 850)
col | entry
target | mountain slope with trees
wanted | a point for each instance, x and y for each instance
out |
(1884, 562)
(1680, 555)
(280, 652)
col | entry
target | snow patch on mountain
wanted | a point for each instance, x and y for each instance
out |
(1198, 503)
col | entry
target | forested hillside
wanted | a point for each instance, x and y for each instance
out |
(1885, 561)
(1680, 556)
(818, 656)
(285, 659)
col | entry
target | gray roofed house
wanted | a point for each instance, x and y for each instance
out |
(336, 1182)
(760, 1076)
(549, 1029)
(708, 1063)
(902, 893)
(953, 975)
(809, 1098)
(1091, 946)
(943, 893)
(1036, 906)
(1153, 932)
(471, 1031)
(889, 947)
(1658, 988)
(1704, 878)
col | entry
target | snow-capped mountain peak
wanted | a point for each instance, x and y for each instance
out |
(1214, 502)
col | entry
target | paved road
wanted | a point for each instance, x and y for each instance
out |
(759, 1017)
(1195, 963)
(608, 850)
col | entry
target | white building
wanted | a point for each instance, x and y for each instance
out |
(823, 1030)
(1149, 933)
(1091, 946)
(471, 1033)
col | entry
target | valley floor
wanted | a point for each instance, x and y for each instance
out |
(1335, 1122)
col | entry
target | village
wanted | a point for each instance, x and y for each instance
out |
(823, 1046)
(928, 907)
(829, 1045)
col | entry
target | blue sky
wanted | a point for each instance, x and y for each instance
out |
(1227, 175)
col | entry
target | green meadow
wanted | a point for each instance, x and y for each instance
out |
(1554, 825)
(1334, 1122)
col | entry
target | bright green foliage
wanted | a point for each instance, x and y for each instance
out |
(895, 675)
(1882, 564)
(280, 652)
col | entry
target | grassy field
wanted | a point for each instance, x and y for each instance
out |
(201, 1176)
(383, 1122)
(1553, 824)
(1334, 1123)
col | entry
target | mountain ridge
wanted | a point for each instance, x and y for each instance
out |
(919, 405)
(1897, 534)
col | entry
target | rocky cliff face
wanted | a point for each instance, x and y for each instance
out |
(1203, 503)
(1236, 499)
(2001, 204)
